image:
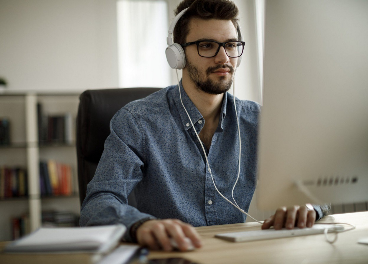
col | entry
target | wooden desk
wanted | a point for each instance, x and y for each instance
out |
(306, 249)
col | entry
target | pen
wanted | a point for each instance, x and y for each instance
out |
(142, 255)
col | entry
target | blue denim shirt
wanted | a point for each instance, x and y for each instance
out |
(153, 150)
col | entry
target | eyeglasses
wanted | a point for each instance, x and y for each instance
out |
(210, 48)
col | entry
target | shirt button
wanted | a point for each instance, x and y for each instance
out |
(187, 124)
(209, 202)
(200, 121)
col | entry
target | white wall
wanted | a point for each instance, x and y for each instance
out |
(50, 44)
(72, 45)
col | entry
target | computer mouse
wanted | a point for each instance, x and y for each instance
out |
(176, 247)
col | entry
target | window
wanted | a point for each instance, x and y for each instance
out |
(142, 33)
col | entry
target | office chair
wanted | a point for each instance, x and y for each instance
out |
(96, 108)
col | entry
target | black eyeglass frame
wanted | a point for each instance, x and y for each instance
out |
(221, 44)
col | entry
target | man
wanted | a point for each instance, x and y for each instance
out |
(154, 151)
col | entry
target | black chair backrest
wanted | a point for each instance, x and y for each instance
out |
(96, 108)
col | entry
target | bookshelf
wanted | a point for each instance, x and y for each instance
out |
(24, 150)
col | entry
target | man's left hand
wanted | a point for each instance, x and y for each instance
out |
(290, 217)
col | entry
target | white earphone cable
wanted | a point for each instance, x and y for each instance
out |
(208, 165)
(239, 160)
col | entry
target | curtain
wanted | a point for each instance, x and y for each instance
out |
(142, 32)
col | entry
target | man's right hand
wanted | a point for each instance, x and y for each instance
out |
(156, 234)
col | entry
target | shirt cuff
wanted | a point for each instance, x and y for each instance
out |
(318, 210)
(134, 227)
(321, 210)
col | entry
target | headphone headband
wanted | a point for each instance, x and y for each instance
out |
(170, 38)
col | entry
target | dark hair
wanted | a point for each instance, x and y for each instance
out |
(204, 9)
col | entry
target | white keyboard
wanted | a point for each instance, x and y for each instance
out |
(272, 233)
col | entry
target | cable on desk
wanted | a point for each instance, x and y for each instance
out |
(336, 231)
(305, 191)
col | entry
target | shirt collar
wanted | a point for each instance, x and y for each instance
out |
(223, 110)
(194, 113)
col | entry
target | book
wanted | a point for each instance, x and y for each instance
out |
(66, 180)
(63, 180)
(42, 179)
(4, 131)
(40, 124)
(2, 182)
(8, 182)
(14, 182)
(22, 182)
(94, 239)
(53, 175)
(45, 179)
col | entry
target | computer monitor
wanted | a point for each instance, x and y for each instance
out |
(313, 139)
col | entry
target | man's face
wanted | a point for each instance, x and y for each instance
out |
(211, 75)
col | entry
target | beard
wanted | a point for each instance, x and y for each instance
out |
(205, 84)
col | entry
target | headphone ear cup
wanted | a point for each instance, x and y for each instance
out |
(175, 56)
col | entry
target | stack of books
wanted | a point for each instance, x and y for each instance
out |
(55, 128)
(55, 178)
(52, 218)
(20, 226)
(13, 182)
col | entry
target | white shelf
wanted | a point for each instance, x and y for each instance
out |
(21, 109)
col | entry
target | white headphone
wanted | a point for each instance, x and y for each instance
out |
(175, 54)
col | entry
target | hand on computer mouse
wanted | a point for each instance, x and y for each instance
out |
(156, 235)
